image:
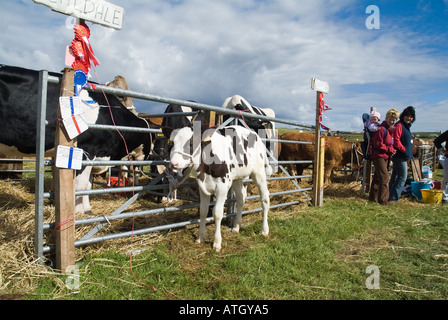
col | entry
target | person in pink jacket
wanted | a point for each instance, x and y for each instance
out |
(383, 150)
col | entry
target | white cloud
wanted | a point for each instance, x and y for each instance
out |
(267, 51)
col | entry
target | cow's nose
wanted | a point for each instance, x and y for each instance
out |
(174, 164)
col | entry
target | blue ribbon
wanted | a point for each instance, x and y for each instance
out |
(70, 158)
(72, 108)
(80, 79)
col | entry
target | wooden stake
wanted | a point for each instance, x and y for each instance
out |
(318, 167)
(368, 181)
(210, 119)
(64, 186)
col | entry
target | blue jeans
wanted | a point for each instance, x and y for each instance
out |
(398, 179)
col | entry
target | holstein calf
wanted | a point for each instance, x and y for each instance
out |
(239, 103)
(220, 159)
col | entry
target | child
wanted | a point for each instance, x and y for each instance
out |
(371, 125)
(373, 122)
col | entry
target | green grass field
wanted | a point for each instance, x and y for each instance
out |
(325, 253)
(312, 254)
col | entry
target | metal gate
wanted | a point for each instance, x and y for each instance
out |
(100, 221)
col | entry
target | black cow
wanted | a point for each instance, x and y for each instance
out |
(161, 146)
(18, 118)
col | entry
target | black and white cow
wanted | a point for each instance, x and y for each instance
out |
(220, 159)
(18, 118)
(162, 146)
(239, 103)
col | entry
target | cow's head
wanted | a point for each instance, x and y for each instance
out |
(183, 152)
(162, 146)
(121, 83)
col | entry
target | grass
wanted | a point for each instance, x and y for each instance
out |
(311, 253)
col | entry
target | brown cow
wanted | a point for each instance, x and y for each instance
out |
(338, 152)
(420, 143)
(121, 83)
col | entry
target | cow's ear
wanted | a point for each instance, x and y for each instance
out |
(167, 131)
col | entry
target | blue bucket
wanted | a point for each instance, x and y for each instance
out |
(417, 186)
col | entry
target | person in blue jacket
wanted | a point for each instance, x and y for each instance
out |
(403, 143)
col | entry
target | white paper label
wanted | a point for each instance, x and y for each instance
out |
(75, 126)
(69, 158)
(71, 113)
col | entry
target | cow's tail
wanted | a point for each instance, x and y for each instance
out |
(268, 167)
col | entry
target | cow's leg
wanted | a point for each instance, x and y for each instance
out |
(260, 181)
(83, 182)
(240, 194)
(328, 171)
(218, 212)
(203, 210)
(299, 170)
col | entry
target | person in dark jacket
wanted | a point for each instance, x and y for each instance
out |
(443, 138)
(402, 141)
(383, 150)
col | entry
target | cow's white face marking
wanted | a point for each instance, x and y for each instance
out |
(181, 153)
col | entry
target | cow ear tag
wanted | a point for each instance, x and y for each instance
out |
(207, 139)
(80, 79)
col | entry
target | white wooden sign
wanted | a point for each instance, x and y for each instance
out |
(96, 11)
(319, 85)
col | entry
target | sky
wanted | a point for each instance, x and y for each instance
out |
(264, 50)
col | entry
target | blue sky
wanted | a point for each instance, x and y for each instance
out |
(266, 51)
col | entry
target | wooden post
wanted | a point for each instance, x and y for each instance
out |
(321, 173)
(434, 158)
(64, 186)
(317, 188)
(320, 87)
(210, 119)
(368, 175)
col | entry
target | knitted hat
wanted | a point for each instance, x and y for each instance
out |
(375, 114)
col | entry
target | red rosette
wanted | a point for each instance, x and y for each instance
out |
(78, 49)
(80, 65)
(82, 30)
(83, 50)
